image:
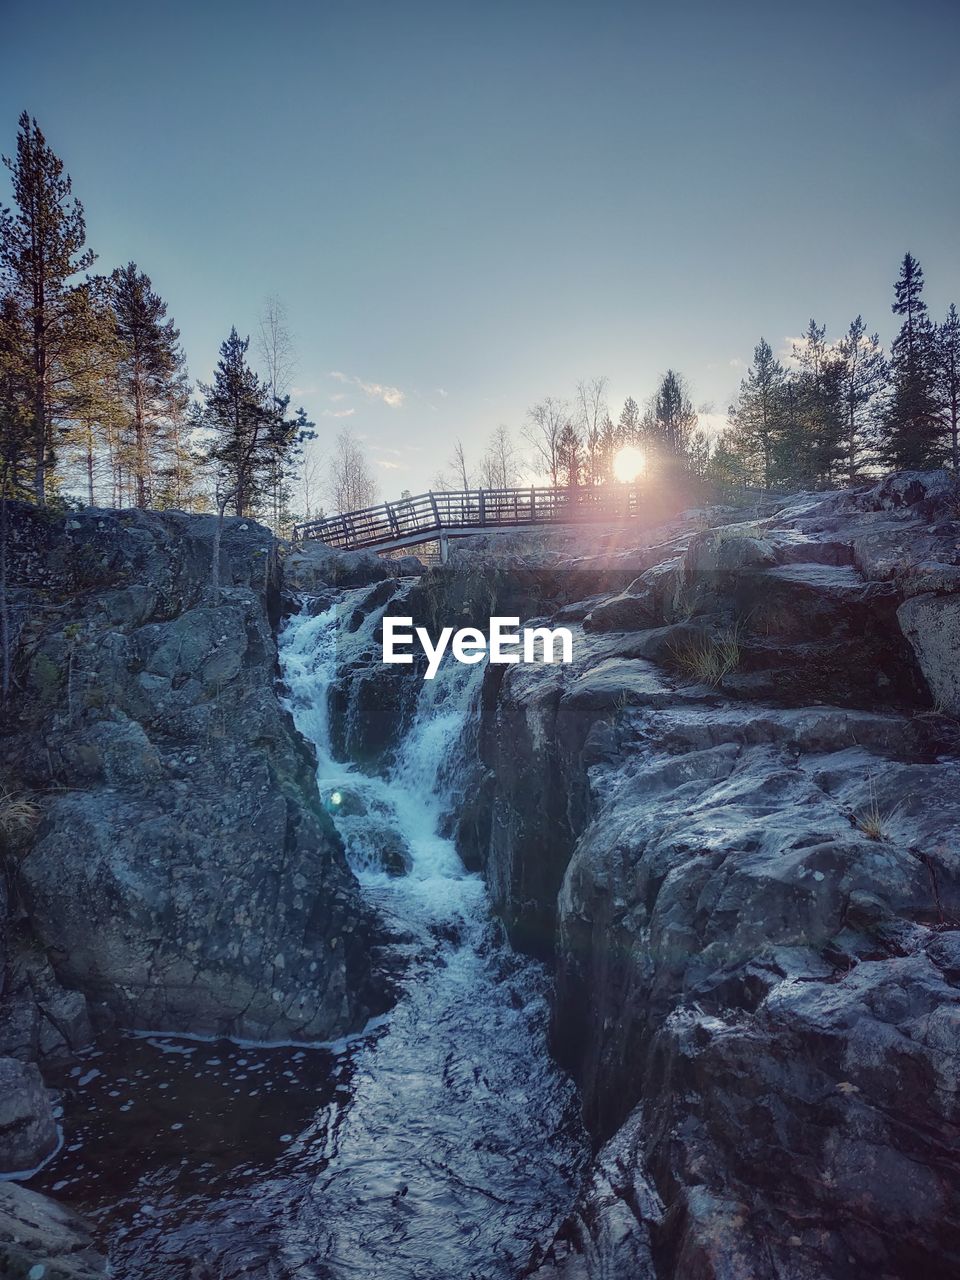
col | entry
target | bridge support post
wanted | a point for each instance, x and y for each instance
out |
(444, 548)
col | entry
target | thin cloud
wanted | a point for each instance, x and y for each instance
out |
(389, 465)
(391, 396)
(338, 413)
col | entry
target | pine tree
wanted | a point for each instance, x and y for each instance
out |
(757, 417)
(864, 374)
(286, 438)
(810, 441)
(570, 457)
(698, 455)
(672, 421)
(151, 374)
(728, 467)
(912, 428)
(236, 411)
(41, 250)
(93, 413)
(948, 380)
(15, 400)
(629, 423)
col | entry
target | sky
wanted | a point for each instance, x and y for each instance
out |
(467, 207)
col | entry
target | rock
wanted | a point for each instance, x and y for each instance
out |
(43, 1240)
(309, 566)
(932, 625)
(752, 907)
(385, 849)
(934, 491)
(620, 613)
(183, 846)
(608, 1231)
(28, 1131)
(39, 1019)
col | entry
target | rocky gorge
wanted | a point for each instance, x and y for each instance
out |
(726, 836)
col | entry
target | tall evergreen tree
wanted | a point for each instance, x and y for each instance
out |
(93, 415)
(948, 381)
(699, 454)
(629, 423)
(15, 400)
(570, 457)
(758, 413)
(811, 434)
(863, 377)
(41, 251)
(151, 373)
(235, 409)
(912, 427)
(673, 420)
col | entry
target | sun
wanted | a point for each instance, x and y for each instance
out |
(628, 463)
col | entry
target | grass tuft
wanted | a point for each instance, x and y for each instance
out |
(17, 814)
(709, 660)
(872, 821)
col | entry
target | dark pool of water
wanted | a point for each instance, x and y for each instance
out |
(182, 1152)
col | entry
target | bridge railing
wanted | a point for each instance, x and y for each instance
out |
(411, 519)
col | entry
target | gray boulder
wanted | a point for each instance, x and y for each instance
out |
(184, 875)
(931, 623)
(28, 1130)
(43, 1240)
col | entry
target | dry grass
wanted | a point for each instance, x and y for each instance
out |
(17, 814)
(709, 660)
(872, 821)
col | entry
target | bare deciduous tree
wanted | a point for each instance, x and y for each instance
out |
(499, 468)
(543, 430)
(275, 347)
(591, 415)
(458, 464)
(311, 484)
(350, 484)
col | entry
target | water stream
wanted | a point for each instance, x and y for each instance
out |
(443, 1143)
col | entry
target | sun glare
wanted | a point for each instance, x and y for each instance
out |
(628, 463)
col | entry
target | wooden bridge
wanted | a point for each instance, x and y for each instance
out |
(431, 517)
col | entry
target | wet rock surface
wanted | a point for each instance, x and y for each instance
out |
(28, 1132)
(734, 825)
(42, 1240)
(183, 874)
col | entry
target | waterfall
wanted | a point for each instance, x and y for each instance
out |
(461, 1147)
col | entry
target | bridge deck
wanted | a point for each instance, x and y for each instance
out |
(460, 513)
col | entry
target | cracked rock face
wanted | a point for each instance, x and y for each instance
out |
(183, 875)
(28, 1132)
(751, 893)
(42, 1240)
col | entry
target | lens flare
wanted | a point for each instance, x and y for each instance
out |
(628, 463)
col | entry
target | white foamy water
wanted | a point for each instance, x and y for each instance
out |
(438, 1142)
(461, 1147)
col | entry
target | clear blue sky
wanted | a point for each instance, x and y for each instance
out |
(478, 204)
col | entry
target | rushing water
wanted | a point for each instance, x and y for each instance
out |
(442, 1144)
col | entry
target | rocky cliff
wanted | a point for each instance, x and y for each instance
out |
(168, 863)
(734, 827)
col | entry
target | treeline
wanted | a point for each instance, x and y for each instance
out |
(846, 409)
(94, 393)
(95, 399)
(829, 413)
